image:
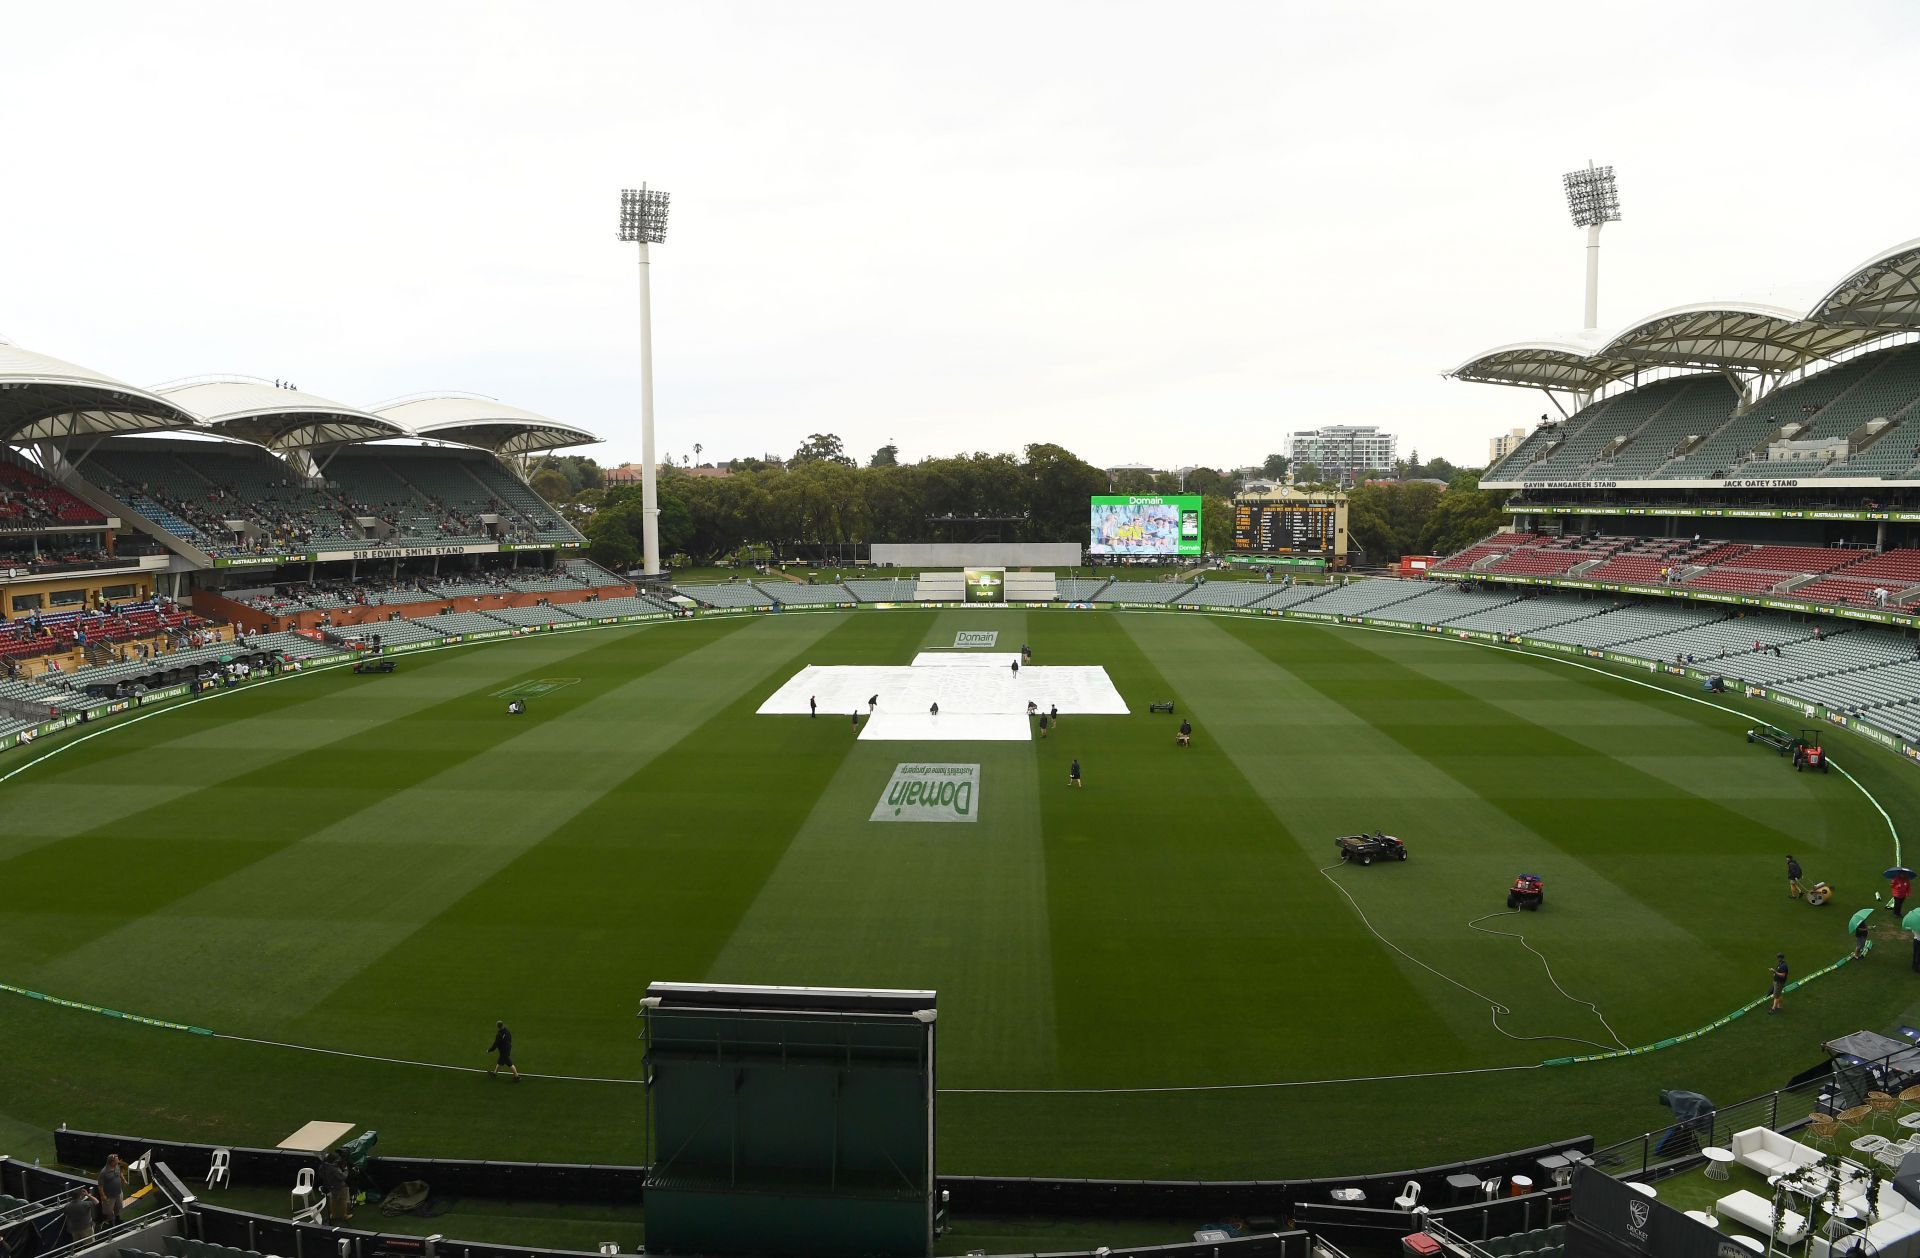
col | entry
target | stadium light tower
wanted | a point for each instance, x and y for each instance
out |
(1593, 198)
(643, 221)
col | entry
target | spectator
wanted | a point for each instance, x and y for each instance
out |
(113, 1189)
(79, 1215)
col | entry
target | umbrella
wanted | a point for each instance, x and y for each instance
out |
(1912, 920)
(1853, 923)
(1899, 871)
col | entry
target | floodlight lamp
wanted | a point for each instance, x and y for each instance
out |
(1593, 197)
(643, 215)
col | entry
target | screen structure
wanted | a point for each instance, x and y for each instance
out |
(1145, 524)
(1284, 528)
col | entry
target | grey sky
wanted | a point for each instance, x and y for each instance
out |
(1165, 233)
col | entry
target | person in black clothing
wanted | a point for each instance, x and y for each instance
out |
(1186, 733)
(1793, 876)
(333, 1182)
(1073, 773)
(503, 1045)
(1779, 981)
(813, 705)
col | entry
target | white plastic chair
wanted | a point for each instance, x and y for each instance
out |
(220, 1174)
(1490, 1188)
(304, 1195)
(141, 1166)
(1410, 1198)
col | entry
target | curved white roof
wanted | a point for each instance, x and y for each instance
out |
(280, 419)
(42, 397)
(472, 420)
(1572, 363)
(1749, 336)
(1879, 297)
(1883, 292)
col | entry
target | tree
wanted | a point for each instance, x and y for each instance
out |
(1133, 480)
(1465, 514)
(1275, 468)
(1210, 482)
(551, 484)
(887, 455)
(822, 447)
(1306, 474)
(1058, 489)
(1216, 525)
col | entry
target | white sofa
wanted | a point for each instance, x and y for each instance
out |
(1894, 1231)
(1767, 1151)
(1756, 1212)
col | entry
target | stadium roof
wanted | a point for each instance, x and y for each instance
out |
(1742, 336)
(1882, 293)
(1879, 298)
(280, 419)
(1574, 363)
(43, 398)
(472, 420)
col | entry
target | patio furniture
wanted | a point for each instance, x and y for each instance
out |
(1717, 1160)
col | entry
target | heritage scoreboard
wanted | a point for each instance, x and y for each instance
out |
(1284, 528)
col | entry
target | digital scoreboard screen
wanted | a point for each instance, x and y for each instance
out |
(1280, 528)
(1145, 524)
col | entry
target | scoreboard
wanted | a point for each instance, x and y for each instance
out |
(1284, 528)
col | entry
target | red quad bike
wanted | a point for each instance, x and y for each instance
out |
(1527, 892)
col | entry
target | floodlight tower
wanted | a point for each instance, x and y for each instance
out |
(643, 221)
(1594, 200)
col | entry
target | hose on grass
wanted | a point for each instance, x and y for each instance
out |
(1545, 965)
(1496, 1009)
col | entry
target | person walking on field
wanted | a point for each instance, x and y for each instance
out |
(503, 1045)
(1793, 878)
(1779, 981)
(1073, 773)
(1902, 887)
(813, 705)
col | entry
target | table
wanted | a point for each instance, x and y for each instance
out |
(315, 1137)
(1645, 1190)
(1717, 1162)
(1463, 1188)
(1701, 1216)
(1747, 1242)
(1841, 1218)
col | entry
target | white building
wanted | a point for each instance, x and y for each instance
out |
(1500, 447)
(1343, 451)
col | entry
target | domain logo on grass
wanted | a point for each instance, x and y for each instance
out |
(976, 637)
(930, 792)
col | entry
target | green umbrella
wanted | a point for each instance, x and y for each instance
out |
(1853, 923)
(1912, 921)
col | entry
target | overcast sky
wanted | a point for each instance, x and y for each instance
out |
(1165, 233)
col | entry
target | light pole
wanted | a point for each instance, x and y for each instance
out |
(1593, 198)
(643, 221)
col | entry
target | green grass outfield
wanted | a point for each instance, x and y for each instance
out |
(385, 864)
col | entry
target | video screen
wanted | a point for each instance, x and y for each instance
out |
(1145, 525)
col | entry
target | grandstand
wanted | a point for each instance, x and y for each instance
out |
(1142, 593)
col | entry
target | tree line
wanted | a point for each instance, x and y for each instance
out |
(821, 499)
